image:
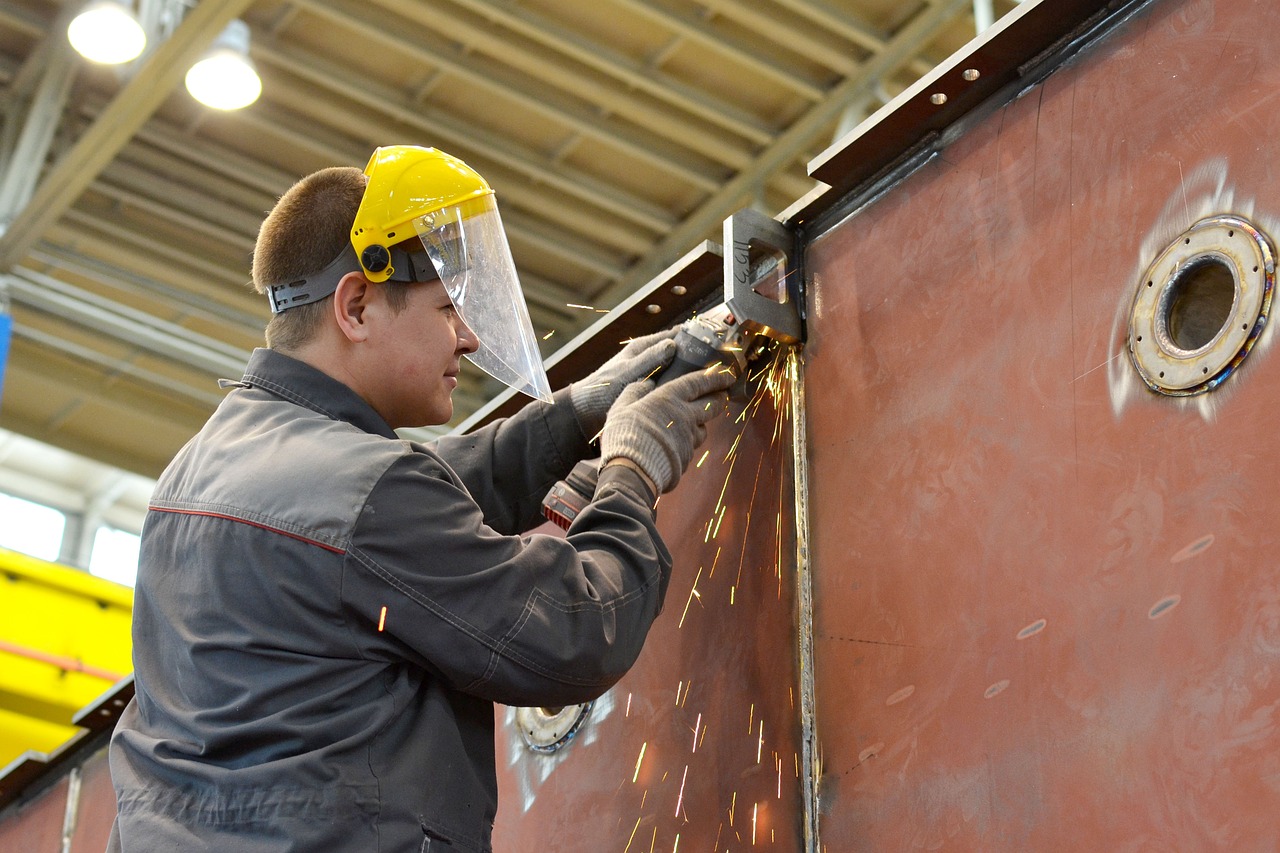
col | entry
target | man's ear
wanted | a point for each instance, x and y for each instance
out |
(350, 301)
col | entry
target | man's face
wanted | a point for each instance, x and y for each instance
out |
(420, 350)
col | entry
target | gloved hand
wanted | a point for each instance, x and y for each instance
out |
(658, 428)
(592, 396)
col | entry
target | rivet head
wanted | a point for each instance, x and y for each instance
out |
(971, 74)
(653, 309)
(679, 290)
(938, 98)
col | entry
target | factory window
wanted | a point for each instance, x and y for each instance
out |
(115, 555)
(31, 528)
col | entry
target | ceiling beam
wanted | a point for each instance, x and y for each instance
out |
(537, 168)
(688, 24)
(156, 254)
(135, 328)
(95, 360)
(842, 21)
(630, 72)
(923, 28)
(530, 67)
(184, 300)
(128, 111)
(584, 212)
(679, 156)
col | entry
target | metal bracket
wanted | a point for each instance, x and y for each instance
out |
(762, 254)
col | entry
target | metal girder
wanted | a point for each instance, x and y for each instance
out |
(787, 29)
(689, 133)
(840, 21)
(188, 302)
(522, 160)
(131, 107)
(23, 165)
(215, 158)
(788, 145)
(180, 266)
(689, 25)
(575, 251)
(435, 51)
(129, 192)
(630, 241)
(135, 328)
(119, 367)
(623, 68)
(32, 69)
(91, 227)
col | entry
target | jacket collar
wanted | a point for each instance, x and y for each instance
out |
(300, 383)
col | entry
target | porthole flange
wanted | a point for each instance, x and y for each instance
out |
(1217, 246)
(551, 729)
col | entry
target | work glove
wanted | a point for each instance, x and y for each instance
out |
(592, 397)
(658, 428)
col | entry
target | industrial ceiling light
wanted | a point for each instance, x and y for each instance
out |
(106, 31)
(224, 78)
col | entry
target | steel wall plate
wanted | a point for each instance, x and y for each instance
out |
(1216, 246)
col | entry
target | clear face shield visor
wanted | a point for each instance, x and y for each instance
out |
(468, 247)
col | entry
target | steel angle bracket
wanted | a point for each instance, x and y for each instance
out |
(763, 280)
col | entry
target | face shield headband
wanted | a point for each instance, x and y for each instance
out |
(406, 267)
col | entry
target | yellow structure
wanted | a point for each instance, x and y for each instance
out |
(64, 640)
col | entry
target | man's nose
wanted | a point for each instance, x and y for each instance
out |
(467, 340)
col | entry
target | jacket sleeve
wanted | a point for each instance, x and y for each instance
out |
(509, 465)
(535, 620)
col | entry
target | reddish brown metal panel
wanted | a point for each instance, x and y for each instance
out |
(1047, 611)
(36, 826)
(697, 747)
(96, 809)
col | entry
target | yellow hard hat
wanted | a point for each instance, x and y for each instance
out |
(450, 208)
(406, 183)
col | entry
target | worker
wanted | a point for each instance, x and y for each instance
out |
(325, 613)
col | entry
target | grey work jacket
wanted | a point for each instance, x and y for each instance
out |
(325, 614)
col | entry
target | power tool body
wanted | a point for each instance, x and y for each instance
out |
(704, 341)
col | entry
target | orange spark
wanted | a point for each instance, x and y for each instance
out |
(633, 835)
(680, 799)
(382, 618)
(692, 593)
(636, 775)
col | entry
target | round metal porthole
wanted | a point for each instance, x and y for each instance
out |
(549, 729)
(1201, 306)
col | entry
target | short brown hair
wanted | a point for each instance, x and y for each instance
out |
(308, 227)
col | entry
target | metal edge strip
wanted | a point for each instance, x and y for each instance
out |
(811, 769)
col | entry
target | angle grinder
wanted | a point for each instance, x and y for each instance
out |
(705, 340)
